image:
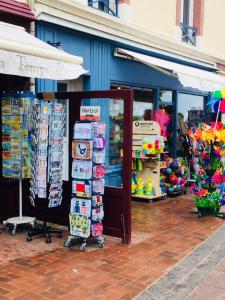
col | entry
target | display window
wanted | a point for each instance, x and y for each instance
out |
(115, 131)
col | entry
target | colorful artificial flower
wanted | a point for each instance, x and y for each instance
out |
(208, 135)
(217, 178)
(220, 135)
(218, 126)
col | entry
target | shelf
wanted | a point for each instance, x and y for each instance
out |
(149, 197)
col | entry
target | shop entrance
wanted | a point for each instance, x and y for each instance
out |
(117, 200)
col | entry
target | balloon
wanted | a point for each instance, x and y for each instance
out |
(178, 171)
(168, 171)
(173, 179)
(174, 165)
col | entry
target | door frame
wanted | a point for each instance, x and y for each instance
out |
(122, 211)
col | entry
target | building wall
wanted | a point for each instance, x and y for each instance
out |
(213, 27)
(161, 17)
(155, 16)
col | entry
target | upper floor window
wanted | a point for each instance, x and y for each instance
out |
(108, 6)
(187, 28)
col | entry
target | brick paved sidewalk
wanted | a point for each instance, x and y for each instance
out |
(163, 234)
(212, 286)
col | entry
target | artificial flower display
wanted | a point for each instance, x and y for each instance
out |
(209, 149)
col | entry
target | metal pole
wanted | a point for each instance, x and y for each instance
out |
(20, 200)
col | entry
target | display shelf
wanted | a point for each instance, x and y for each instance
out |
(149, 197)
(150, 173)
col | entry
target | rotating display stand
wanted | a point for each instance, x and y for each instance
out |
(86, 211)
(16, 124)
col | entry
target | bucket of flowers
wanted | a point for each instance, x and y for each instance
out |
(209, 149)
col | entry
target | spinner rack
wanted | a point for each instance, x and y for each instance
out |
(86, 204)
(19, 220)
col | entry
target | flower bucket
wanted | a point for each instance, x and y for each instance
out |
(208, 211)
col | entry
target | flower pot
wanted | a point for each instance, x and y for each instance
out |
(207, 211)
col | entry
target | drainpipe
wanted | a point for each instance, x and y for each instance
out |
(31, 4)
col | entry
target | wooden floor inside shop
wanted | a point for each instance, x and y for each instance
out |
(163, 233)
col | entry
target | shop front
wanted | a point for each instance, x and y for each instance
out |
(30, 58)
(159, 82)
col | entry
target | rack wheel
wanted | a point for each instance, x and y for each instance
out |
(83, 247)
(59, 235)
(13, 232)
(7, 227)
(29, 239)
(48, 240)
(101, 244)
(67, 243)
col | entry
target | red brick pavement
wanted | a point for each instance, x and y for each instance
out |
(162, 235)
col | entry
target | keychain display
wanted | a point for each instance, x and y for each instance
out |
(16, 141)
(47, 151)
(88, 171)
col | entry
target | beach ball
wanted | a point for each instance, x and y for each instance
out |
(173, 179)
(168, 171)
(174, 165)
(170, 189)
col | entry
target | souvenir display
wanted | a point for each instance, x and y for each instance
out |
(82, 169)
(83, 131)
(47, 152)
(173, 177)
(88, 152)
(16, 142)
(147, 146)
(80, 225)
(209, 149)
(82, 149)
(81, 188)
(81, 207)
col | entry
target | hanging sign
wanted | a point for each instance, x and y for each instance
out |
(90, 113)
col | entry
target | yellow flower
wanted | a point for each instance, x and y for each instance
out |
(207, 135)
(220, 136)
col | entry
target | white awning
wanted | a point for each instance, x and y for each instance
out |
(188, 76)
(24, 55)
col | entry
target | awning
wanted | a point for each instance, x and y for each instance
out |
(188, 76)
(15, 8)
(24, 55)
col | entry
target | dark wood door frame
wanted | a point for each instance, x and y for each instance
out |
(117, 200)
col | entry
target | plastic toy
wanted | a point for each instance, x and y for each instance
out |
(140, 186)
(149, 190)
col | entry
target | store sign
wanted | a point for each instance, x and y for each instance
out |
(90, 113)
(145, 126)
(14, 63)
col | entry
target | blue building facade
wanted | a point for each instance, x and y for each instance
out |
(106, 70)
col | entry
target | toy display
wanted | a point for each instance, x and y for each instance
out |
(147, 146)
(86, 212)
(173, 178)
(209, 149)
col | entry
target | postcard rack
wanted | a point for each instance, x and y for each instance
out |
(16, 146)
(86, 211)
